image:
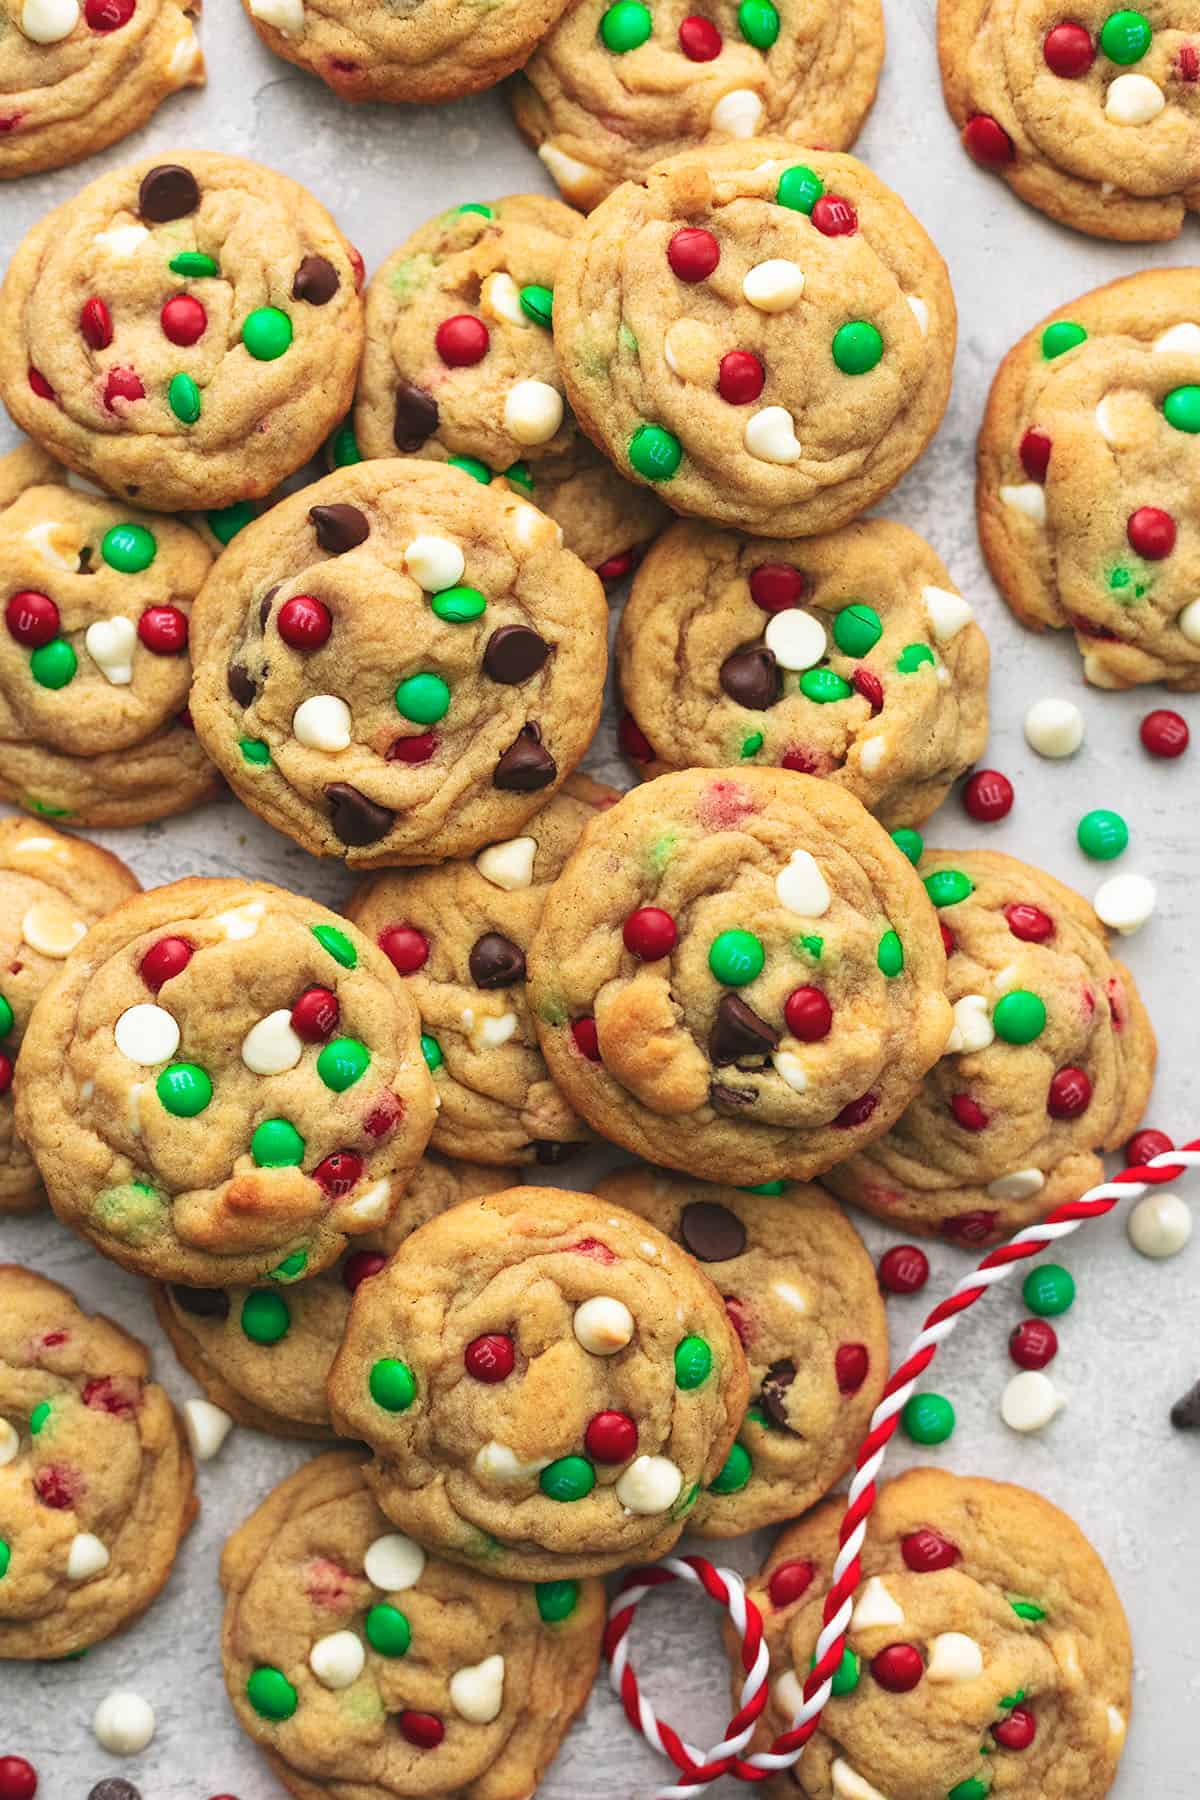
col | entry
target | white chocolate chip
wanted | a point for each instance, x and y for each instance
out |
(496, 1462)
(572, 176)
(185, 56)
(393, 1563)
(501, 297)
(434, 562)
(774, 285)
(1029, 1401)
(650, 1484)
(771, 437)
(122, 240)
(51, 927)
(788, 1065)
(207, 1427)
(795, 639)
(1159, 1225)
(1184, 337)
(508, 865)
(86, 1557)
(123, 1723)
(147, 1034)
(1022, 1184)
(876, 1606)
(873, 752)
(801, 887)
(322, 722)
(920, 313)
(1105, 423)
(1125, 902)
(1188, 621)
(692, 350)
(477, 1693)
(790, 1295)
(55, 543)
(972, 1028)
(848, 1784)
(737, 113)
(1116, 1722)
(603, 1325)
(242, 922)
(285, 15)
(49, 21)
(1133, 100)
(10, 1443)
(338, 1660)
(533, 411)
(531, 528)
(1029, 498)
(954, 1657)
(110, 643)
(371, 1208)
(789, 1695)
(946, 611)
(1054, 727)
(492, 1032)
(272, 1047)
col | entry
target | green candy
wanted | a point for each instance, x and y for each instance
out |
(458, 605)
(537, 303)
(522, 474)
(342, 1062)
(475, 206)
(431, 1050)
(654, 453)
(471, 465)
(758, 23)
(974, 1789)
(766, 1187)
(890, 954)
(570, 1478)
(824, 685)
(1028, 1609)
(946, 887)
(1102, 834)
(52, 665)
(1060, 337)
(184, 1089)
(857, 629)
(128, 548)
(5, 1558)
(270, 1693)
(392, 1384)
(265, 1318)
(799, 188)
(1125, 36)
(193, 263)
(6, 1017)
(752, 744)
(337, 944)
(846, 1676)
(183, 397)
(1048, 1290)
(387, 1630)
(276, 1144)
(1181, 408)
(928, 1418)
(226, 521)
(736, 957)
(424, 699)
(1019, 1016)
(913, 656)
(556, 1600)
(255, 751)
(291, 1266)
(693, 1363)
(809, 944)
(267, 333)
(342, 446)
(738, 1466)
(857, 347)
(38, 1416)
(911, 843)
(625, 26)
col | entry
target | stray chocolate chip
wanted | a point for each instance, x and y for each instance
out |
(739, 1032)
(316, 281)
(416, 417)
(339, 528)
(168, 191)
(113, 1787)
(711, 1232)
(526, 765)
(495, 961)
(549, 1152)
(776, 1382)
(355, 819)
(202, 1303)
(241, 684)
(1185, 1414)
(514, 653)
(729, 1098)
(751, 677)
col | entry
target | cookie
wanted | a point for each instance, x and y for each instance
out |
(94, 664)
(263, 1356)
(719, 662)
(547, 1384)
(988, 1651)
(761, 334)
(360, 1665)
(397, 665)
(185, 333)
(224, 1083)
(1050, 1061)
(612, 89)
(459, 934)
(76, 78)
(739, 975)
(1089, 468)
(51, 889)
(1092, 117)
(95, 1475)
(800, 1291)
(459, 365)
(439, 50)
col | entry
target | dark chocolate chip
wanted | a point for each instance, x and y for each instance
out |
(265, 605)
(711, 1232)
(513, 654)
(526, 765)
(338, 528)
(416, 417)
(776, 1382)
(496, 962)
(354, 818)
(114, 1787)
(241, 684)
(202, 1303)
(549, 1152)
(1185, 1414)
(739, 1032)
(316, 281)
(168, 191)
(751, 677)
(721, 1096)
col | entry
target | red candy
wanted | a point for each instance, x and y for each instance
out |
(693, 253)
(988, 796)
(6, 1071)
(304, 623)
(594, 1250)
(1069, 50)
(1164, 733)
(868, 684)
(801, 761)
(633, 739)
(1070, 1094)
(987, 142)
(1189, 63)
(1151, 532)
(740, 377)
(164, 960)
(615, 568)
(108, 15)
(424, 1730)
(776, 586)
(462, 340)
(183, 319)
(360, 1267)
(611, 1437)
(857, 1112)
(315, 1015)
(850, 1365)
(1146, 1144)
(1035, 455)
(739, 1316)
(1029, 923)
(164, 630)
(95, 323)
(790, 1581)
(808, 1013)
(834, 217)
(968, 1113)
(18, 1778)
(382, 1117)
(490, 1358)
(947, 938)
(898, 1668)
(699, 39)
(340, 1171)
(969, 1227)
(58, 1487)
(927, 1550)
(123, 384)
(650, 933)
(416, 749)
(1033, 1343)
(1016, 1732)
(118, 1395)
(405, 947)
(904, 1269)
(31, 618)
(40, 385)
(586, 1038)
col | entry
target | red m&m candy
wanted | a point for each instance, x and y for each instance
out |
(699, 39)
(417, 749)
(123, 384)
(360, 1267)
(834, 217)
(808, 1014)
(1035, 454)
(927, 1550)
(868, 684)
(1151, 532)
(693, 253)
(988, 795)
(650, 933)
(108, 15)
(6, 1071)
(32, 618)
(163, 630)
(304, 622)
(790, 1581)
(490, 1358)
(1016, 1732)
(986, 142)
(1033, 1343)
(18, 1778)
(1069, 1095)
(1028, 922)
(164, 960)
(611, 1437)
(1146, 1144)
(462, 340)
(904, 1269)
(740, 377)
(968, 1113)
(1069, 50)
(776, 586)
(898, 1668)
(183, 319)
(338, 1173)
(315, 1015)
(850, 1366)
(586, 1038)
(95, 324)
(406, 948)
(633, 739)
(423, 1730)
(1164, 733)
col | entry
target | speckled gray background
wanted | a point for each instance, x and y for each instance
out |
(1132, 1343)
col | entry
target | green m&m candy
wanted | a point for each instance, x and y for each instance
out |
(342, 446)
(736, 957)
(1060, 337)
(766, 1187)
(431, 1050)
(184, 1089)
(857, 347)
(556, 1600)
(475, 206)
(471, 465)
(1019, 1016)
(337, 944)
(655, 453)
(799, 188)
(913, 656)
(1102, 834)
(1028, 1609)
(1048, 1290)
(752, 744)
(890, 954)
(291, 1267)
(1181, 408)
(6, 1017)
(128, 548)
(946, 887)
(270, 1693)
(265, 1318)
(5, 1558)
(424, 699)
(342, 1062)
(928, 1418)
(38, 1416)
(693, 1363)
(736, 1472)
(857, 628)
(537, 303)
(1125, 36)
(392, 1384)
(226, 521)
(183, 397)
(522, 474)
(52, 665)
(846, 1676)
(910, 843)
(266, 333)
(974, 1789)
(824, 685)
(457, 605)
(193, 263)
(625, 26)
(758, 23)
(387, 1630)
(276, 1144)
(570, 1478)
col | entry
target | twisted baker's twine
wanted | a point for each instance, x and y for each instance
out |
(699, 1768)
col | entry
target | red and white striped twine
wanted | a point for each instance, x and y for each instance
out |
(700, 1767)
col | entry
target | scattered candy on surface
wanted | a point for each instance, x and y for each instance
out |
(904, 1269)
(1033, 1343)
(1030, 1401)
(1125, 902)
(123, 1722)
(1160, 1224)
(1054, 727)
(928, 1418)
(1048, 1290)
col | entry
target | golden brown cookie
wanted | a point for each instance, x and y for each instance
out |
(851, 656)
(988, 1651)
(1050, 1061)
(263, 1355)
(76, 77)
(613, 88)
(459, 366)
(362, 1666)
(739, 975)
(224, 1083)
(95, 1475)
(546, 1382)
(184, 332)
(52, 888)
(1093, 116)
(1088, 476)
(761, 334)
(801, 1293)
(397, 665)
(459, 934)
